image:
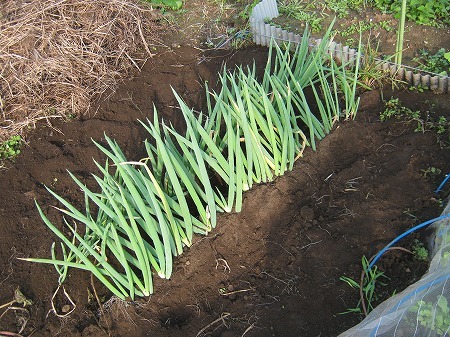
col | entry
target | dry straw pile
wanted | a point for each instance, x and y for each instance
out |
(57, 55)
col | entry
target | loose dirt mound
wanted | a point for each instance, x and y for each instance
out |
(57, 55)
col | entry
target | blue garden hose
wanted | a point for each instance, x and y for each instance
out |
(381, 252)
(424, 224)
(443, 183)
(398, 238)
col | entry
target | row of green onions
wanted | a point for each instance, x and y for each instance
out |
(147, 211)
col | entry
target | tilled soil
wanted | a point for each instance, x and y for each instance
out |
(271, 270)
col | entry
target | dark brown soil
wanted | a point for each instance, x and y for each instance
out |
(278, 261)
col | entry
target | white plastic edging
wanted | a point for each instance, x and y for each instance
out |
(263, 33)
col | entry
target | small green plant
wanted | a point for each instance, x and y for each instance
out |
(371, 75)
(19, 298)
(386, 25)
(394, 108)
(350, 33)
(441, 125)
(172, 4)
(419, 251)
(11, 148)
(371, 278)
(424, 12)
(438, 63)
(302, 11)
(356, 28)
(246, 11)
(431, 172)
(340, 8)
(434, 316)
(418, 88)
(411, 213)
(442, 128)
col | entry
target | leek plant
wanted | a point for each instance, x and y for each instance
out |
(400, 35)
(147, 211)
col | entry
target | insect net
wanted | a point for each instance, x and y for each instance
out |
(422, 309)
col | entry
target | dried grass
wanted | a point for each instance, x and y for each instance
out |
(57, 55)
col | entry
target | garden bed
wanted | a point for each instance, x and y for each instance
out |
(272, 270)
(279, 260)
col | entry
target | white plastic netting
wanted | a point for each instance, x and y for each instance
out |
(422, 309)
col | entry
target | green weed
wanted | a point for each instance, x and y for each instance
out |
(302, 11)
(11, 148)
(418, 88)
(424, 12)
(245, 12)
(438, 63)
(371, 75)
(394, 108)
(431, 172)
(419, 251)
(172, 4)
(426, 120)
(342, 8)
(434, 316)
(371, 279)
(356, 28)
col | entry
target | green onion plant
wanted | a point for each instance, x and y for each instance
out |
(400, 35)
(145, 212)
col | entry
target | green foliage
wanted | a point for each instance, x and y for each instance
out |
(302, 11)
(371, 75)
(386, 25)
(438, 63)
(447, 56)
(426, 120)
(442, 128)
(418, 88)
(393, 108)
(419, 251)
(352, 31)
(431, 172)
(147, 211)
(356, 28)
(342, 7)
(246, 11)
(434, 316)
(172, 4)
(372, 278)
(11, 147)
(425, 12)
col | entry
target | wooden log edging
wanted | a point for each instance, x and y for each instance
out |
(263, 33)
